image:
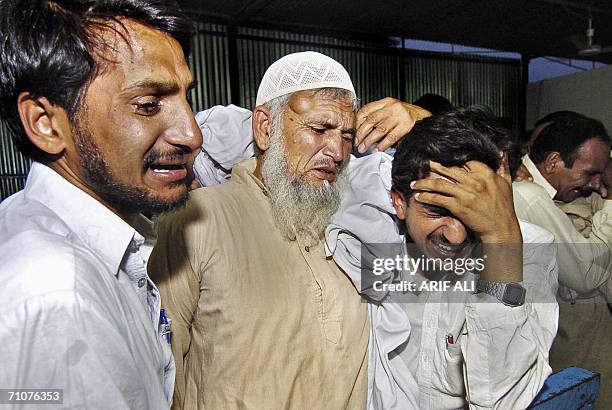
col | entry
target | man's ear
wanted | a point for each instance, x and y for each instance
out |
(262, 127)
(553, 162)
(45, 124)
(399, 204)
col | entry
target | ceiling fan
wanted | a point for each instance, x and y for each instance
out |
(585, 44)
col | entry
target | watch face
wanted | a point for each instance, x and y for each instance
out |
(514, 294)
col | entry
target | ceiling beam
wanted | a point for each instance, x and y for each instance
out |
(248, 10)
(580, 6)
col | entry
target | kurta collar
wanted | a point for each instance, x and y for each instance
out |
(244, 172)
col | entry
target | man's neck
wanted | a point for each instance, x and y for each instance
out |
(258, 167)
(541, 168)
(539, 176)
(66, 172)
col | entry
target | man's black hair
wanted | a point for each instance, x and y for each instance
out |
(452, 138)
(565, 135)
(557, 115)
(49, 47)
(433, 103)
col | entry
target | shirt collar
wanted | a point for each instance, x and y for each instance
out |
(105, 233)
(244, 172)
(538, 178)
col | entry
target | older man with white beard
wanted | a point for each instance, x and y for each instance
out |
(261, 318)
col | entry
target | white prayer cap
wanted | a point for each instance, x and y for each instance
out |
(302, 71)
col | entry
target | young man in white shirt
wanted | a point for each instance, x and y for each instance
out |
(432, 348)
(95, 93)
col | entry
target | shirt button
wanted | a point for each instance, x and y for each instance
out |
(141, 282)
(307, 248)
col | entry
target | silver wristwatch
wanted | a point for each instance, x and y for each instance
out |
(510, 294)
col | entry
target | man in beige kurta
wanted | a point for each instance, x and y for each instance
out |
(261, 318)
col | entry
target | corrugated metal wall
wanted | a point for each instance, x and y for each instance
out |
(377, 72)
(13, 166)
(209, 63)
(467, 81)
(374, 71)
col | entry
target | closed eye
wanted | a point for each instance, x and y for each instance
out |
(318, 130)
(433, 211)
(348, 136)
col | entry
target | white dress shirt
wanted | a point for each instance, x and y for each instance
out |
(79, 312)
(499, 354)
(585, 264)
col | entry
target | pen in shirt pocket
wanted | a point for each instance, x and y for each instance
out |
(164, 322)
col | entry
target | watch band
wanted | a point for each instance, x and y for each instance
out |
(491, 288)
(510, 294)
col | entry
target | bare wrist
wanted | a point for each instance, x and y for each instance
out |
(509, 235)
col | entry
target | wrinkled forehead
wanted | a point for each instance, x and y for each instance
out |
(323, 107)
(136, 50)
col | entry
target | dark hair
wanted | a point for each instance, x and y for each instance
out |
(452, 138)
(565, 135)
(433, 103)
(49, 48)
(557, 115)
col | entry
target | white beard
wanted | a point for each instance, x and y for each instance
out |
(297, 207)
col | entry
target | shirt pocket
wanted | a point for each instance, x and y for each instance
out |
(327, 307)
(451, 375)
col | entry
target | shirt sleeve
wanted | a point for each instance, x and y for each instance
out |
(364, 226)
(171, 268)
(506, 351)
(585, 264)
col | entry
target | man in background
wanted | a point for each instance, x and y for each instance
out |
(95, 93)
(567, 162)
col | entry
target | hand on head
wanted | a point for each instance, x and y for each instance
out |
(473, 194)
(385, 122)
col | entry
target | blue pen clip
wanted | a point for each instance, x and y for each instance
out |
(165, 325)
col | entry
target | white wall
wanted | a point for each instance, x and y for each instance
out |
(589, 93)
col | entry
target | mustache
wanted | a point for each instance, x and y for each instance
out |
(154, 156)
(337, 166)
